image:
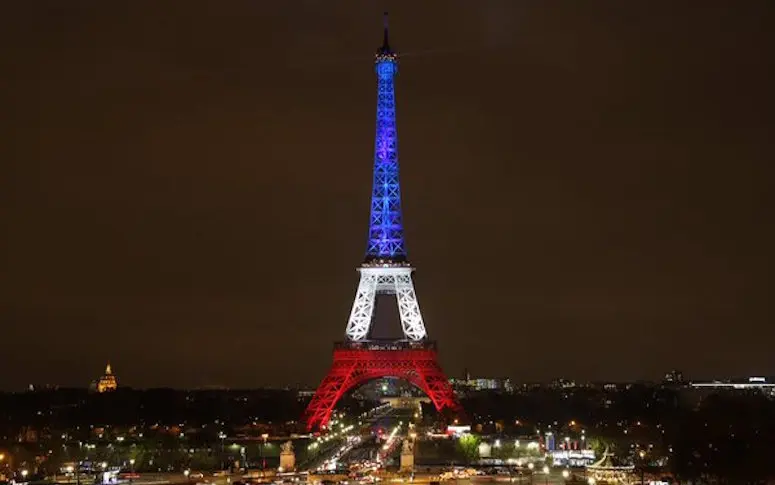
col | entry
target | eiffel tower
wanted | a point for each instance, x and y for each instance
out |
(385, 271)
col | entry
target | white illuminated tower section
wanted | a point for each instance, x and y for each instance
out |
(386, 269)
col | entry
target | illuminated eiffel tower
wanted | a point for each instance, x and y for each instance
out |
(385, 270)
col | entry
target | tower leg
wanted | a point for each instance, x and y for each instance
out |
(438, 388)
(334, 385)
(408, 308)
(363, 307)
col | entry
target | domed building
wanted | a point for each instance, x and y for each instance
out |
(108, 381)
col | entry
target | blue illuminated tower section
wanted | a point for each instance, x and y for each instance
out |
(386, 231)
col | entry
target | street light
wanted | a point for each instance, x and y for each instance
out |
(565, 474)
(25, 473)
(263, 460)
(642, 454)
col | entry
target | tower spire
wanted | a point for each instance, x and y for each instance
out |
(385, 43)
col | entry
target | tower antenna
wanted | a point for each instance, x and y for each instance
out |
(385, 43)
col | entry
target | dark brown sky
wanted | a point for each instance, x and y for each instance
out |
(587, 186)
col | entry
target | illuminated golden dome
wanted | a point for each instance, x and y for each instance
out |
(108, 381)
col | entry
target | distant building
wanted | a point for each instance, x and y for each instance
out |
(563, 383)
(42, 387)
(674, 377)
(481, 384)
(750, 384)
(573, 457)
(107, 382)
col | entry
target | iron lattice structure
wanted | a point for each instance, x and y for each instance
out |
(386, 230)
(385, 270)
(385, 280)
(355, 366)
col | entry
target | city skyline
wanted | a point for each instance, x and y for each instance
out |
(586, 190)
(476, 381)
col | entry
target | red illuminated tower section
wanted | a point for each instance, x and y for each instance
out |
(385, 271)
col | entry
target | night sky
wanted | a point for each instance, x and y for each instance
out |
(184, 186)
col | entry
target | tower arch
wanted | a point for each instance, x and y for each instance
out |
(354, 366)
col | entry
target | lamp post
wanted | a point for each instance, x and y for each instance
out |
(530, 467)
(131, 469)
(222, 436)
(546, 475)
(263, 459)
